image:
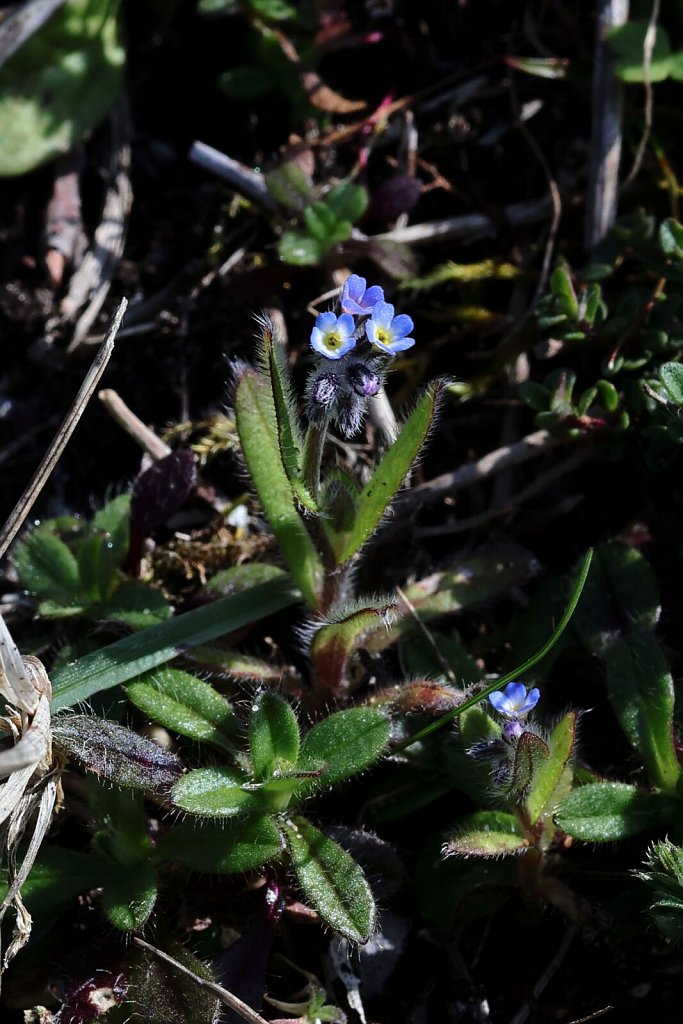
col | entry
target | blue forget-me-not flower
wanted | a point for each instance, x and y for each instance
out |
(514, 701)
(357, 298)
(333, 336)
(388, 332)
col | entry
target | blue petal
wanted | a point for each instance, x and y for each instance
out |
(354, 287)
(372, 296)
(325, 322)
(346, 325)
(383, 314)
(516, 694)
(532, 700)
(401, 344)
(401, 325)
(499, 701)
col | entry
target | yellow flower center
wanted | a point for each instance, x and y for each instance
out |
(383, 336)
(332, 341)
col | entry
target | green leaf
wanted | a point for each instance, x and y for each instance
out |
(642, 694)
(330, 881)
(95, 568)
(561, 285)
(628, 45)
(342, 745)
(321, 222)
(672, 379)
(60, 84)
(333, 644)
(273, 736)
(56, 877)
(129, 895)
(137, 605)
(187, 705)
(389, 475)
(604, 812)
(224, 849)
(290, 186)
(257, 428)
(487, 834)
(300, 250)
(215, 792)
(347, 201)
(243, 577)
(531, 755)
(116, 753)
(212, 8)
(621, 596)
(273, 10)
(112, 521)
(671, 239)
(48, 570)
(124, 660)
(552, 778)
(276, 367)
(471, 580)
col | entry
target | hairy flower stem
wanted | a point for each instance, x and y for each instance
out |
(313, 455)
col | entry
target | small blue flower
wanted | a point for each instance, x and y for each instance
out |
(332, 336)
(357, 298)
(515, 702)
(389, 332)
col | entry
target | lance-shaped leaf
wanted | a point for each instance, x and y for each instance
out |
(471, 581)
(116, 753)
(226, 662)
(124, 660)
(388, 476)
(130, 894)
(333, 644)
(531, 753)
(258, 433)
(273, 356)
(642, 693)
(330, 880)
(603, 812)
(187, 705)
(621, 596)
(552, 776)
(487, 834)
(215, 792)
(273, 736)
(225, 848)
(342, 745)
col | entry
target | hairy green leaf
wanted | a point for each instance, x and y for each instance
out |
(487, 834)
(258, 433)
(224, 849)
(642, 694)
(187, 705)
(342, 745)
(273, 735)
(552, 777)
(215, 792)
(330, 880)
(388, 476)
(603, 812)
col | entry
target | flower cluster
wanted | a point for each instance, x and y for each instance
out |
(333, 336)
(339, 387)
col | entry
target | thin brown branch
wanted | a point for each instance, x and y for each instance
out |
(225, 997)
(61, 439)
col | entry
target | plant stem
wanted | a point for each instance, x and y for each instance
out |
(516, 672)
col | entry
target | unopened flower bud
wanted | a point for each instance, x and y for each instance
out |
(325, 389)
(363, 379)
(512, 731)
(322, 392)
